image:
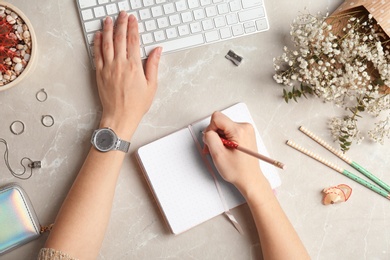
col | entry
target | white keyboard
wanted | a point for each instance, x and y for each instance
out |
(177, 24)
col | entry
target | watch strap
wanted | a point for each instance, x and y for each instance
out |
(122, 145)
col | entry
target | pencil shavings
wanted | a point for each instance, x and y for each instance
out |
(336, 194)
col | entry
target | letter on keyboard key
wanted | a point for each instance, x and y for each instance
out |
(177, 44)
(251, 14)
(87, 3)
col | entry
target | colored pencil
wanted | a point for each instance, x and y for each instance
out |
(344, 172)
(342, 156)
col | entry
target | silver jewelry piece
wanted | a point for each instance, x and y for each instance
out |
(47, 120)
(41, 95)
(23, 175)
(17, 127)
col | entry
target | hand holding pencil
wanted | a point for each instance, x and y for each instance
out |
(234, 166)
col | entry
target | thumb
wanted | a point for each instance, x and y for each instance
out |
(151, 67)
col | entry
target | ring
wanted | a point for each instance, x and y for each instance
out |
(47, 120)
(17, 127)
(41, 95)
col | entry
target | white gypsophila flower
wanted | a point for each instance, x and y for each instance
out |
(337, 65)
(381, 131)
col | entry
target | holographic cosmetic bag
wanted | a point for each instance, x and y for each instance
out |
(18, 222)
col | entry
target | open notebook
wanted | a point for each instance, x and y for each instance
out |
(184, 181)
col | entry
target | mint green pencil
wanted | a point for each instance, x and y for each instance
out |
(346, 173)
(342, 156)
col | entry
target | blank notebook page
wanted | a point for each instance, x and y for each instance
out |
(182, 185)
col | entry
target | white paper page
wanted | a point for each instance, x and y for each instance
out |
(182, 185)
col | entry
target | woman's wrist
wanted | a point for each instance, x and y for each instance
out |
(124, 129)
(255, 188)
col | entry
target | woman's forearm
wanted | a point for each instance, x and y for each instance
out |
(278, 237)
(81, 223)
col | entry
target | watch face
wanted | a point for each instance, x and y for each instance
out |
(105, 140)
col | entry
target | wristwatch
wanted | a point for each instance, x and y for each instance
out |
(105, 139)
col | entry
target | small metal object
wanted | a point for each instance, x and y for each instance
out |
(47, 120)
(41, 95)
(23, 175)
(17, 127)
(236, 59)
(35, 164)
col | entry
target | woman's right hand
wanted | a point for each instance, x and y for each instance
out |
(234, 166)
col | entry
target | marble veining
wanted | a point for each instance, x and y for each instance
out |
(192, 84)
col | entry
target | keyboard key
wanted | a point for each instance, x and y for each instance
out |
(251, 14)
(162, 22)
(159, 36)
(142, 53)
(186, 17)
(223, 8)
(231, 19)
(211, 11)
(94, 25)
(99, 11)
(157, 11)
(124, 6)
(207, 24)
(212, 36)
(235, 5)
(87, 14)
(237, 29)
(195, 27)
(205, 2)
(181, 5)
(250, 3)
(103, 1)
(87, 3)
(183, 30)
(262, 24)
(141, 27)
(111, 9)
(171, 33)
(145, 14)
(225, 33)
(169, 8)
(193, 3)
(135, 4)
(177, 44)
(148, 3)
(174, 19)
(90, 38)
(147, 38)
(219, 21)
(249, 27)
(150, 25)
(199, 14)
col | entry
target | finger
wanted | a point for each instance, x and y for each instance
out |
(107, 43)
(213, 142)
(120, 35)
(97, 49)
(220, 122)
(133, 49)
(151, 67)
